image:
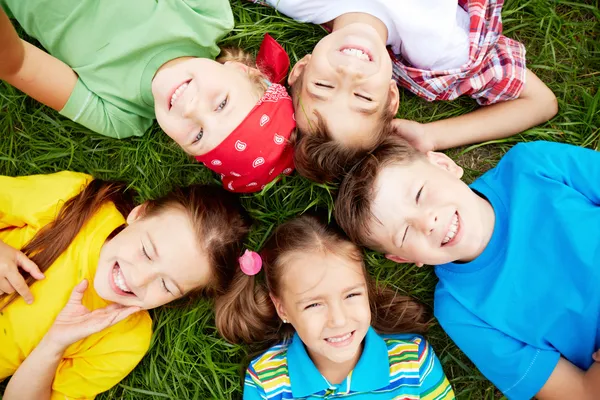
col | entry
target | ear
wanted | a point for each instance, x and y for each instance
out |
(298, 69)
(394, 94)
(279, 307)
(397, 259)
(444, 162)
(137, 213)
(401, 260)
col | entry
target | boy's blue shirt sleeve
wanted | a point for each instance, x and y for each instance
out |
(516, 368)
(252, 388)
(576, 167)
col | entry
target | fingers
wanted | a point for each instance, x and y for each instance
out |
(596, 356)
(17, 281)
(5, 286)
(111, 315)
(78, 291)
(26, 264)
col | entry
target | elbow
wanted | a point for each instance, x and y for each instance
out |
(551, 107)
(546, 104)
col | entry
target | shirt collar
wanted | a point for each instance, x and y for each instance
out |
(372, 371)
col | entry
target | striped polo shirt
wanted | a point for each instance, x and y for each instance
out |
(401, 367)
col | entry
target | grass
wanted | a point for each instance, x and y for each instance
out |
(187, 360)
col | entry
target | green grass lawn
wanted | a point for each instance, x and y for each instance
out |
(187, 359)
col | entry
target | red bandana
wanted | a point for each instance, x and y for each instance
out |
(258, 150)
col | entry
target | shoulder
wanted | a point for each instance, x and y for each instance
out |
(533, 152)
(403, 347)
(133, 334)
(272, 361)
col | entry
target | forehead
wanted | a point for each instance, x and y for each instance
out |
(345, 124)
(178, 247)
(393, 185)
(319, 273)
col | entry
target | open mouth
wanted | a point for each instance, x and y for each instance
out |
(118, 283)
(341, 340)
(358, 52)
(453, 230)
(178, 92)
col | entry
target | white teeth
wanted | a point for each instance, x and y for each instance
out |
(178, 92)
(339, 339)
(451, 230)
(361, 55)
(120, 280)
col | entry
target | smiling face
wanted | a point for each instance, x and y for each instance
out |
(198, 102)
(324, 296)
(348, 81)
(154, 260)
(424, 213)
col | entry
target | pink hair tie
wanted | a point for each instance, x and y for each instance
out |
(250, 263)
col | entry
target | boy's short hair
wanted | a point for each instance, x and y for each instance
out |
(318, 157)
(355, 197)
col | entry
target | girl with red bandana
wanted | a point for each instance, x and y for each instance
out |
(143, 60)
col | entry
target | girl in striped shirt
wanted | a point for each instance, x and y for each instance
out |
(329, 329)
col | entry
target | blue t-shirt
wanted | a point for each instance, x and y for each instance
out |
(533, 294)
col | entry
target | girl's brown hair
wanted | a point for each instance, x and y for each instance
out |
(246, 313)
(258, 79)
(220, 222)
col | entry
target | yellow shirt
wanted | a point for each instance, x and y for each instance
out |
(98, 362)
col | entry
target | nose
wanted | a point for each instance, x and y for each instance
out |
(194, 110)
(141, 275)
(426, 221)
(350, 71)
(337, 316)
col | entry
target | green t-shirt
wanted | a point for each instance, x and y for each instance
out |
(116, 47)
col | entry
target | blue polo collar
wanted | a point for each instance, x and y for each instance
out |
(372, 371)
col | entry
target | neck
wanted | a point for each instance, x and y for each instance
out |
(362, 18)
(488, 218)
(335, 372)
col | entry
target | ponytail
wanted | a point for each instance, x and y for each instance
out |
(246, 314)
(394, 313)
(53, 239)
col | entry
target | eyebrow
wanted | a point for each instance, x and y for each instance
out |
(315, 96)
(155, 252)
(349, 289)
(367, 111)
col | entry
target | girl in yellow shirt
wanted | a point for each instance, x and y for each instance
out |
(95, 263)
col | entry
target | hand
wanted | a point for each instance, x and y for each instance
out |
(11, 279)
(414, 133)
(76, 322)
(596, 356)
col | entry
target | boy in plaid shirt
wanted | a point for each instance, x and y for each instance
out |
(345, 91)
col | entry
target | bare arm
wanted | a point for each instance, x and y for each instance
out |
(33, 379)
(33, 71)
(12, 51)
(535, 105)
(569, 382)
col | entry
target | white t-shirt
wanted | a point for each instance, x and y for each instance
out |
(430, 34)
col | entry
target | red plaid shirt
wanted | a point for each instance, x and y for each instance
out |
(494, 72)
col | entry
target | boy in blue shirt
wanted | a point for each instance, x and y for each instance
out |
(516, 254)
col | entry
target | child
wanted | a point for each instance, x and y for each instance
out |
(346, 91)
(113, 66)
(334, 331)
(71, 233)
(516, 255)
